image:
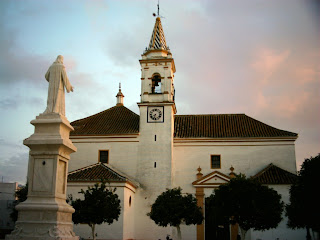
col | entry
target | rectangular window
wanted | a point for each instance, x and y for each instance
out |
(104, 156)
(215, 161)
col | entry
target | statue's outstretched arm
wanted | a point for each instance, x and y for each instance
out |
(66, 82)
(47, 75)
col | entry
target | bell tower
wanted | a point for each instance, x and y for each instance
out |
(157, 109)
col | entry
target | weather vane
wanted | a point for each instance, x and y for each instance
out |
(158, 11)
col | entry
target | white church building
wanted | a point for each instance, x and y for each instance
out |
(143, 155)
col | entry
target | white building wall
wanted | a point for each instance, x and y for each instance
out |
(145, 228)
(122, 152)
(246, 157)
(7, 198)
(129, 156)
(128, 214)
(154, 179)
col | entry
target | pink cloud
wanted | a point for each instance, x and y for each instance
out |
(70, 63)
(268, 61)
(307, 75)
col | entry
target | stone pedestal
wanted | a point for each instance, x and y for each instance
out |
(45, 214)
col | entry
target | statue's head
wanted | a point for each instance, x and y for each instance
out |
(59, 59)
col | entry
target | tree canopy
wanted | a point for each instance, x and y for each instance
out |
(174, 208)
(248, 203)
(303, 210)
(100, 205)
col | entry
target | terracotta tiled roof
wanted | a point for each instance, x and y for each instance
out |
(121, 120)
(97, 172)
(115, 120)
(224, 126)
(275, 175)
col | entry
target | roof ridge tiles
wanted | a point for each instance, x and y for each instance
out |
(114, 120)
(99, 113)
(113, 171)
(84, 168)
(237, 125)
(264, 124)
(95, 172)
(209, 114)
(273, 174)
(120, 120)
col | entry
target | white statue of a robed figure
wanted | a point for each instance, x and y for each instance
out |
(58, 80)
(46, 215)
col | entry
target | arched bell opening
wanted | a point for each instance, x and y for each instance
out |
(156, 83)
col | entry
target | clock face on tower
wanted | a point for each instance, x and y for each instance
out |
(155, 114)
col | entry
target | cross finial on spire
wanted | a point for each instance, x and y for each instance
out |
(158, 9)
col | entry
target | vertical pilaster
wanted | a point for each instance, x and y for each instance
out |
(234, 227)
(200, 203)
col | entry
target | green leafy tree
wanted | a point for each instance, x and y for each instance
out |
(303, 210)
(21, 195)
(100, 205)
(172, 208)
(247, 203)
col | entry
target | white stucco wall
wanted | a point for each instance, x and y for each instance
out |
(145, 228)
(128, 214)
(245, 157)
(123, 152)
(155, 154)
(7, 198)
(154, 179)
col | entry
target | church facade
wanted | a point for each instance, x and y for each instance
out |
(143, 155)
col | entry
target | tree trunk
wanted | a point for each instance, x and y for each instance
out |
(179, 232)
(308, 234)
(315, 235)
(243, 233)
(93, 226)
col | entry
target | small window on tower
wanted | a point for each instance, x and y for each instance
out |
(156, 84)
(215, 161)
(104, 156)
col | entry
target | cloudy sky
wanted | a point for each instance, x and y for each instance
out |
(257, 57)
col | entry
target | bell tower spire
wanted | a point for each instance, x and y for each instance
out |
(157, 69)
(157, 40)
